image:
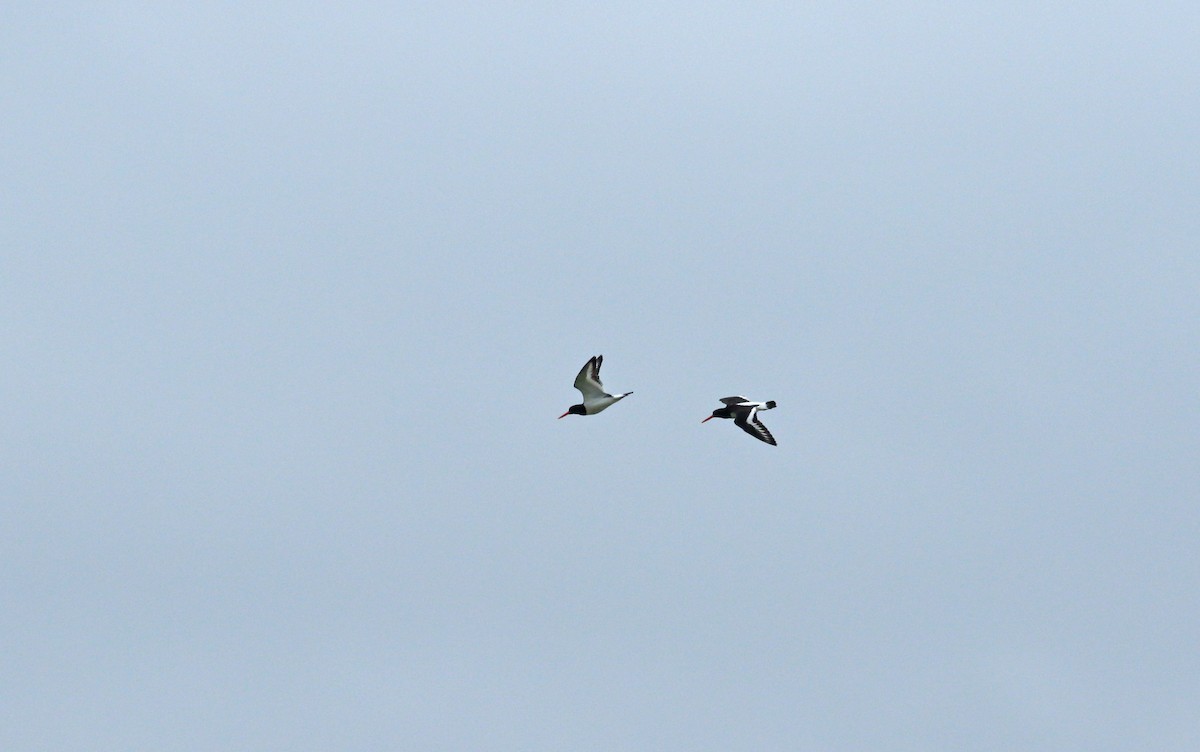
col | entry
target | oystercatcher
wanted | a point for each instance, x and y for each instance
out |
(595, 398)
(745, 416)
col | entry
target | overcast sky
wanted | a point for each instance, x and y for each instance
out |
(292, 295)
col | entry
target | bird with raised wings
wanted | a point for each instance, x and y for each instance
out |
(595, 398)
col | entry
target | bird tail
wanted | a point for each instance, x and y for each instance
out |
(769, 405)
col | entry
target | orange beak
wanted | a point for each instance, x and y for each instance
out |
(564, 415)
(707, 419)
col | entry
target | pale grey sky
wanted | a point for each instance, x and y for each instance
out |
(293, 296)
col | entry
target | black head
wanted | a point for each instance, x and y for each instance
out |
(720, 412)
(574, 410)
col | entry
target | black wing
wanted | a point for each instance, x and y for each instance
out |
(750, 423)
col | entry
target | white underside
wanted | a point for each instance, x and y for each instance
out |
(594, 405)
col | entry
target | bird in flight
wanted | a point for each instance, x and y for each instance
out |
(595, 398)
(745, 416)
